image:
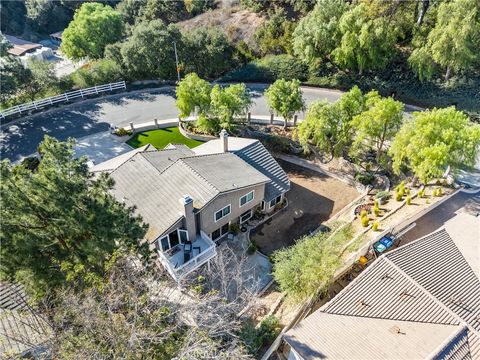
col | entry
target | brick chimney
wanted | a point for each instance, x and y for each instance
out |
(224, 140)
(190, 225)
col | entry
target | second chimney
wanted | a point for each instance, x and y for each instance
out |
(224, 139)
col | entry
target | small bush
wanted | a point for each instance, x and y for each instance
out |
(252, 247)
(123, 132)
(363, 213)
(234, 228)
(375, 225)
(254, 337)
(399, 196)
(421, 193)
(408, 200)
(364, 221)
(427, 201)
(382, 196)
(364, 178)
(376, 211)
(269, 328)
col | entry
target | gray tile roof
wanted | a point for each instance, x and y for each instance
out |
(258, 156)
(156, 194)
(254, 153)
(225, 171)
(330, 336)
(161, 159)
(427, 281)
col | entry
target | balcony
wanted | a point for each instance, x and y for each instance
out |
(180, 260)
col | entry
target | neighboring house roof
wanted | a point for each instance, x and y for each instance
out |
(330, 336)
(428, 281)
(112, 164)
(155, 181)
(21, 329)
(57, 35)
(254, 153)
(20, 46)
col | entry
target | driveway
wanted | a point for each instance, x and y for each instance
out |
(312, 199)
(436, 218)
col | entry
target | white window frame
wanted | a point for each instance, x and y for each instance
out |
(229, 206)
(270, 202)
(249, 217)
(246, 196)
(159, 241)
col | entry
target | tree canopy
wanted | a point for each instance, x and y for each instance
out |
(435, 140)
(318, 33)
(453, 42)
(285, 98)
(93, 27)
(193, 96)
(378, 124)
(365, 43)
(59, 223)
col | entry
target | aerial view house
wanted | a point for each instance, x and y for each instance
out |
(191, 197)
(421, 300)
(27, 50)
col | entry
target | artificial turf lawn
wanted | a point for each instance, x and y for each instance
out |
(161, 138)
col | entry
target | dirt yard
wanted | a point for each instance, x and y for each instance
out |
(312, 199)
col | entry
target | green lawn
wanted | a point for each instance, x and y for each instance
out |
(161, 138)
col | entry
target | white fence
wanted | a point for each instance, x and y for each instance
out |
(36, 105)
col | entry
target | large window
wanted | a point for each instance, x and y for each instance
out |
(245, 216)
(177, 236)
(247, 198)
(275, 201)
(220, 214)
(220, 232)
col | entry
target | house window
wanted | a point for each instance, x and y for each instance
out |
(220, 214)
(245, 216)
(247, 198)
(174, 238)
(275, 201)
(220, 232)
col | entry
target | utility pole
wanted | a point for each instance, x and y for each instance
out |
(176, 60)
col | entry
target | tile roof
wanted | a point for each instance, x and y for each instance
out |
(225, 171)
(427, 281)
(20, 46)
(254, 153)
(112, 164)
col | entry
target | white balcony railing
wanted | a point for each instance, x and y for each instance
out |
(208, 251)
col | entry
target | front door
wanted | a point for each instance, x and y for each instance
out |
(183, 235)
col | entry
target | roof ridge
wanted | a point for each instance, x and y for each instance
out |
(431, 296)
(123, 163)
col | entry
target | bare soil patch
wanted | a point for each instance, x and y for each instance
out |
(312, 199)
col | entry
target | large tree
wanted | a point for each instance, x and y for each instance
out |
(454, 41)
(228, 102)
(285, 98)
(366, 42)
(193, 96)
(329, 126)
(378, 124)
(318, 33)
(149, 52)
(93, 27)
(435, 140)
(207, 52)
(40, 77)
(12, 72)
(59, 222)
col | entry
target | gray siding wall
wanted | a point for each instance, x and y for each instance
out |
(207, 221)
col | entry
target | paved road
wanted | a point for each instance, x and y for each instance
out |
(93, 116)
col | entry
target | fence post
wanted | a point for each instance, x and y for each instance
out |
(295, 120)
(50, 99)
(19, 109)
(66, 96)
(81, 93)
(96, 89)
(131, 127)
(35, 104)
(271, 118)
(156, 122)
(110, 86)
(249, 118)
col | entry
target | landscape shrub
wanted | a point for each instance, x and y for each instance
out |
(421, 193)
(252, 247)
(364, 178)
(376, 210)
(254, 337)
(375, 225)
(408, 200)
(382, 196)
(98, 73)
(365, 220)
(269, 69)
(123, 132)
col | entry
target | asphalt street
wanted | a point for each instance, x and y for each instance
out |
(92, 116)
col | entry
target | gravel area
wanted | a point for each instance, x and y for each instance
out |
(312, 199)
